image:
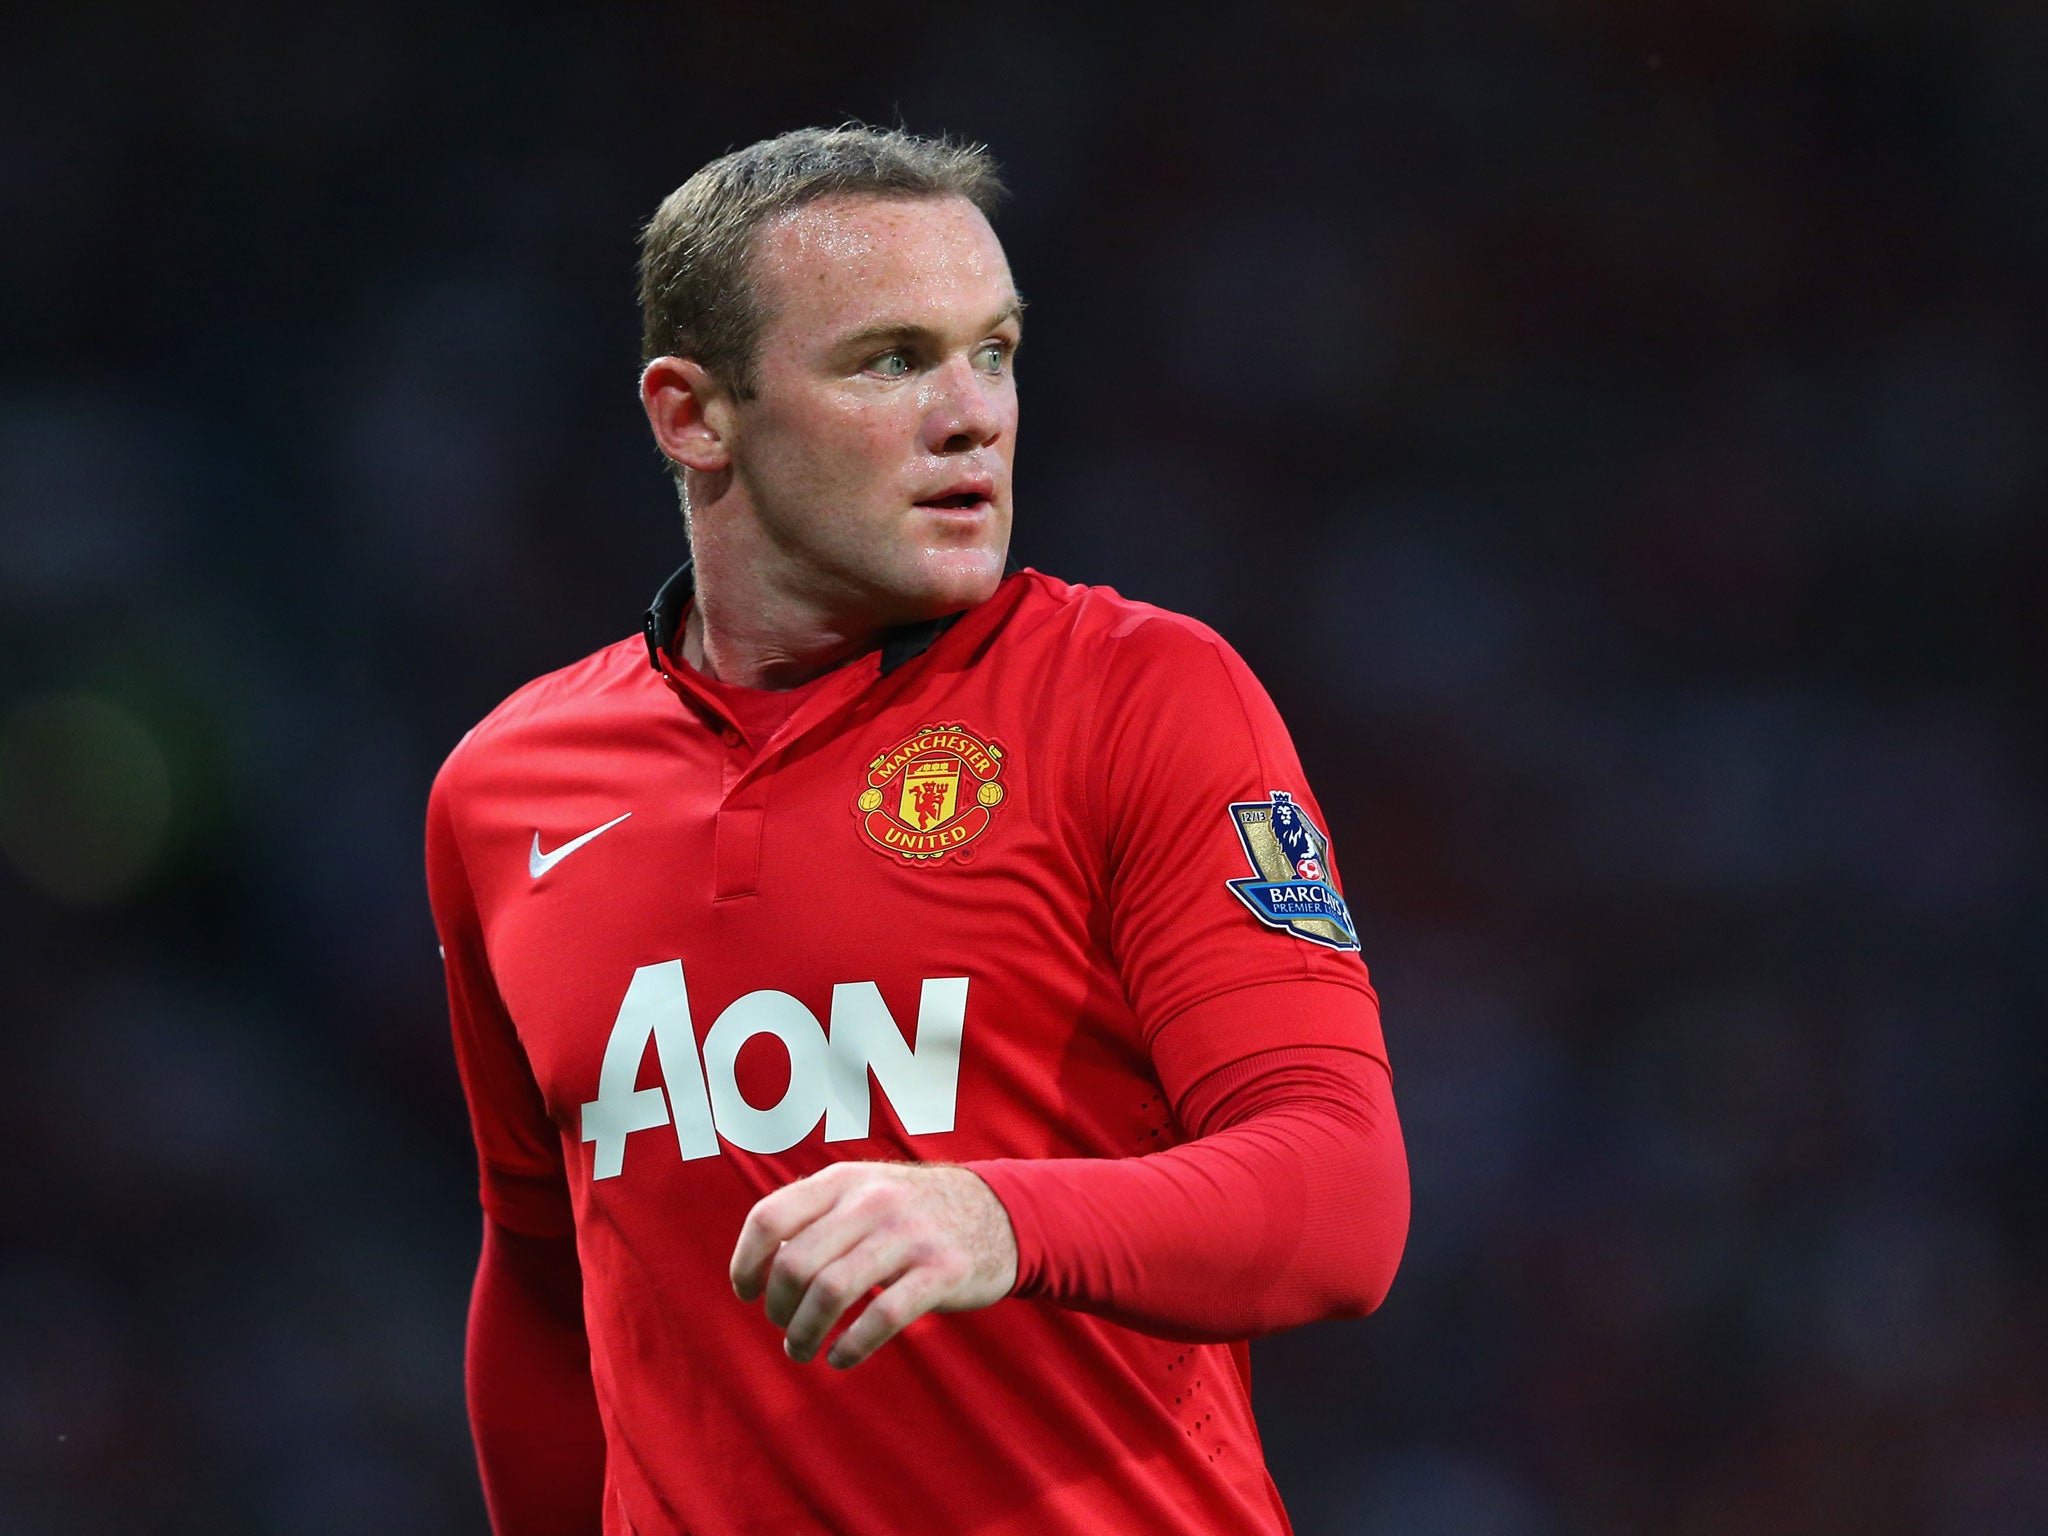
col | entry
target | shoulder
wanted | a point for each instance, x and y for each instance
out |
(1101, 627)
(1159, 681)
(569, 702)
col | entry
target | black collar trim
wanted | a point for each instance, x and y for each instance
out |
(665, 619)
(665, 613)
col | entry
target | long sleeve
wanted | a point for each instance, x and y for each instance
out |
(1289, 1206)
(539, 1443)
(532, 1407)
(1287, 1201)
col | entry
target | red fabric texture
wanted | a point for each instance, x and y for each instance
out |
(519, 1150)
(758, 712)
(1290, 1206)
(539, 1443)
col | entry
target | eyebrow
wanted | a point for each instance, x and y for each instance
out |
(878, 335)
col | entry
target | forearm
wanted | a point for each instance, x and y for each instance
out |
(1290, 1207)
(540, 1446)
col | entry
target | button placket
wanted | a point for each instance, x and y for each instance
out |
(744, 776)
(736, 842)
(736, 833)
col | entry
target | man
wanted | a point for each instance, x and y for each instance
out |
(885, 935)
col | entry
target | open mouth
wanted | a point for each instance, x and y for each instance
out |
(959, 501)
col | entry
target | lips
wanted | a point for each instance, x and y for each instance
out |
(961, 496)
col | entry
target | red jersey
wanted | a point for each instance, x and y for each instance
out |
(977, 895)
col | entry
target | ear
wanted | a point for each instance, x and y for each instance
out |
(688, 412)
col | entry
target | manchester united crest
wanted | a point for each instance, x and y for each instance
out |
(931, 794)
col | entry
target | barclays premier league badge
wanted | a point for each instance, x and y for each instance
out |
(1291, 856)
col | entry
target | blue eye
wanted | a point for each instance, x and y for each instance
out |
(891, 365)
(990, 358)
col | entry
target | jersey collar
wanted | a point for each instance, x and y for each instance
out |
(664, 621)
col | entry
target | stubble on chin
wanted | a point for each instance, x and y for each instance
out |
(943, 581)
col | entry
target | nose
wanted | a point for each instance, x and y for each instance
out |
(962, 409)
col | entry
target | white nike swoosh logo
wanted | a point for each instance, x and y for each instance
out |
(538, 863)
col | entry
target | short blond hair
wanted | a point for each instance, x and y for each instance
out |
(697, 296)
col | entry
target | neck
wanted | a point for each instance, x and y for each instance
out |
(767, 616)
(761, 620)
(750, 649)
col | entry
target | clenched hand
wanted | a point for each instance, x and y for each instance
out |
(935, 1239)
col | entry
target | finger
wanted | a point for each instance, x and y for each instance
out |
(797, 1262)
(887, 1315)
(836, 1287)
(773, 1220)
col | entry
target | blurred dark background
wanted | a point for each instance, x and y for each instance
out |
(1615, 431)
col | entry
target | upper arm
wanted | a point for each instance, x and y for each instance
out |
(519, 1150)
(1192, 753)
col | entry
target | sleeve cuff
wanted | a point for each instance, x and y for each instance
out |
(1010, 1180)
(531, 1206)
(1264, 1016)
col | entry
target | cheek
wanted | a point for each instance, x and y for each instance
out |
(878, 434)
(823, 447)
(842, 450)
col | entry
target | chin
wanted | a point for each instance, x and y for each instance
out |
(952, 579)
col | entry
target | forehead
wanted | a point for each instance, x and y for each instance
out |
(839, 264)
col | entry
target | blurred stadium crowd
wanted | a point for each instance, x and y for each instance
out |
(1614, 431)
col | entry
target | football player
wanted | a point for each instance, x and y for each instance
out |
(912, 1030)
